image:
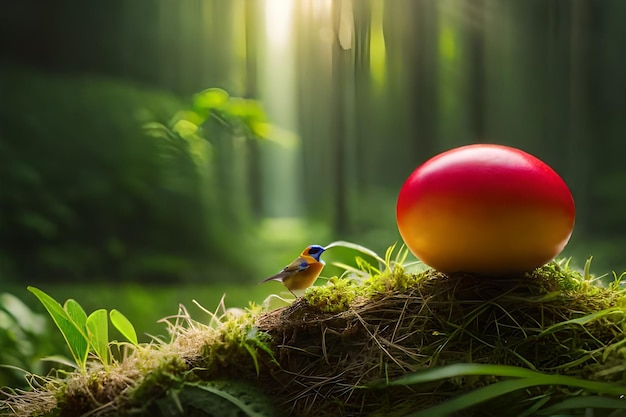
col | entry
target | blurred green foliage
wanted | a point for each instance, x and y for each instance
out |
(143, 305)
(27, 334)
(25, 338)
(87, 193)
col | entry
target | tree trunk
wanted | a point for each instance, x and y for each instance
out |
(340, 63)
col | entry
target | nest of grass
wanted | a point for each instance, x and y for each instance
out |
(327, 353)
(412, 322)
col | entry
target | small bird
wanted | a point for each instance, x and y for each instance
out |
(301, 273)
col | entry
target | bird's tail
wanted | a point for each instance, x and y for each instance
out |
(278, 277)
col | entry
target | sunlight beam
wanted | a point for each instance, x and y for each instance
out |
(278, 21)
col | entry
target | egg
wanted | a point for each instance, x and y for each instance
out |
(485, 209)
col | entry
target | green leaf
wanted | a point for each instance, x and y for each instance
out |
(185, 128)
(524, 378)
(74, 337)
(583, 402)
(245, 109)
(62, 360)
(225, 400)
(77, 314)
(253, 354)
(98, 330)
(497, 389)
(124, 326)
(460, 369)
(280, 136)
(190, 116)
(261, 129)
(536, 378)
(210, 99)
(473, 398)
(26, 319)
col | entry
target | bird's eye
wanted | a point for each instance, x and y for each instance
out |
(314, 250)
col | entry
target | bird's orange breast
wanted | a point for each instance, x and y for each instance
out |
(304, 279)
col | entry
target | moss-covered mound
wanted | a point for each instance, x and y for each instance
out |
(340, 349)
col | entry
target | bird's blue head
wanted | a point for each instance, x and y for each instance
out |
(314, 251)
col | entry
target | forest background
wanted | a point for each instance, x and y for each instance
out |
(128, 181)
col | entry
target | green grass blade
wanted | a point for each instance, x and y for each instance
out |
(581, 403)
(243, 408)
(124, 326)
(388, 254)
(532, 410)
(362, 249)
(524, 378)
(365, 266)
(98, 330)
(349, 268)
(581, 320)
(587, 269)
(253, 354)
(459, 369)
(473, 398)
(74, 337)
(535, 377)
(62, 360)
(401, 256)
(497, 389)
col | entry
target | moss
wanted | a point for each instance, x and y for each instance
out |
(335, 297)
(400, 322)
(319, 355)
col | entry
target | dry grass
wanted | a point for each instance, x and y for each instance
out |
(434, 320)
(319, 355)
